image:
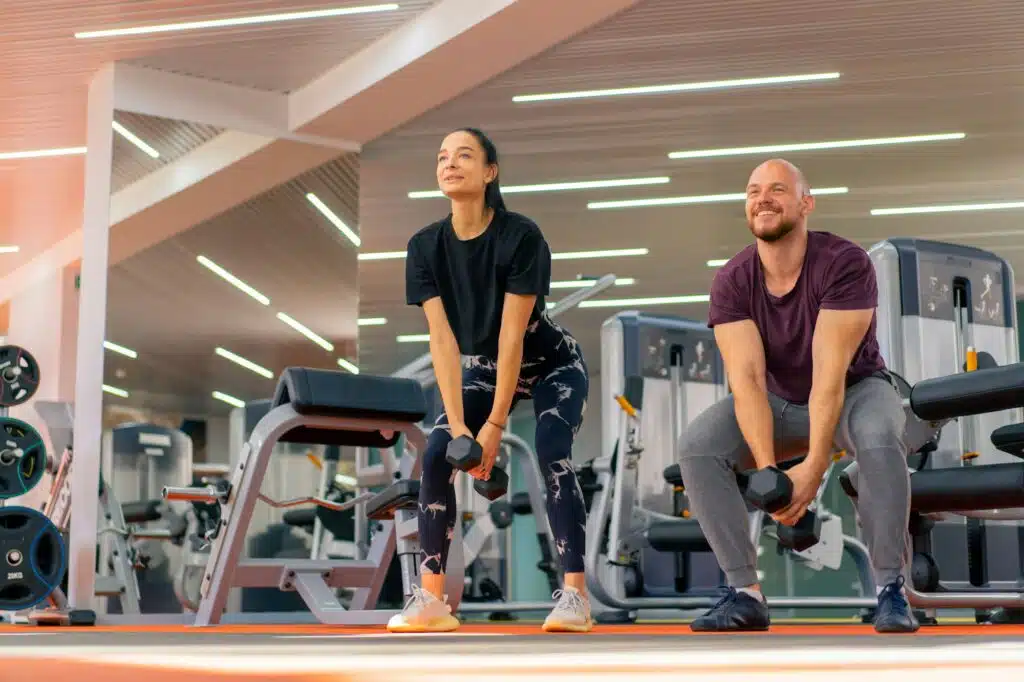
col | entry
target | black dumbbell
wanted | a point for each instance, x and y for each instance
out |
(465, 454)
(770, 490)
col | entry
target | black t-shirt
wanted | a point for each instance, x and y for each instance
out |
(473, 276)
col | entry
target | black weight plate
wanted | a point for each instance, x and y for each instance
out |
(32, 558)
(22, 458)
(19, 376)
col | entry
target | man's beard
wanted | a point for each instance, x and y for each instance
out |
(781, 230)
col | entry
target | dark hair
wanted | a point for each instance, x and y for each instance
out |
(492, 195)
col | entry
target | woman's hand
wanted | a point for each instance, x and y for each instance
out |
(489, 439)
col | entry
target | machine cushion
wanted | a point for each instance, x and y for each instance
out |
(673, 476)
(329, 393)
(961, 395)
(300, 518)
(403, 494)
(1010, 439)
(141, 512)
(683, 535)
(958, 489)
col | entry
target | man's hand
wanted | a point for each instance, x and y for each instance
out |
(489, 439)
(806, 477)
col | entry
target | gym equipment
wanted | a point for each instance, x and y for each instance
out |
(770, 490)
(19, 376)
(946, 310)
(312, 406)
(465, 454)
(645, 357)
(33, 558)
(22, 458)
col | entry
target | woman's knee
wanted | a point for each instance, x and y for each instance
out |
(437, 472)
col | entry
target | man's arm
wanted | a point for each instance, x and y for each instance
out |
(444, 352)
(514, 318)
(837, 336)
(742, 352)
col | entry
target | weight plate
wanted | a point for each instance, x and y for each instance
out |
(19, 376)
(32, 558)
(22, 458)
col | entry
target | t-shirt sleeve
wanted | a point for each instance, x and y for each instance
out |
(727, 303)
(850, 282)
(530, 273)
(420, 285)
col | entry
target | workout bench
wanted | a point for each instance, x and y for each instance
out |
(322, 407)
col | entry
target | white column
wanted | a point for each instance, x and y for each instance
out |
(92, 321)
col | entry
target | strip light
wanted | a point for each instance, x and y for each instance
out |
(41, 153)
(231, 279)
(306, 331)
(412, 338)
(127, 352)
(949, 208)
(229, 399)
(372, 321)
(815, 146)
(334, 219)
(248, 364)
(235, 21)
(717, 262)
(700, 199)
(345, 364)
(135, 140)
(678, 87)
(628, 302)
(9, 249)
(586, 283)
(558, 186)
(113, 390)
(566, 255)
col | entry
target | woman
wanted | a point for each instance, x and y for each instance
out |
(481, 276)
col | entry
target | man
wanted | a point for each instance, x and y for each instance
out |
(794, 319)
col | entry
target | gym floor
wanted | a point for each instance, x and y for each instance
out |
(489, 653)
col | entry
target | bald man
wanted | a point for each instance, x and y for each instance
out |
(794, 319)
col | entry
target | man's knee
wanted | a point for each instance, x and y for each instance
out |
(876, 425)
(714, 432)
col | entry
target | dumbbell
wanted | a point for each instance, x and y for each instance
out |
(465, 454)
(770, 490)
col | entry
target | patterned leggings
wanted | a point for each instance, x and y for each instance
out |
(559, 400)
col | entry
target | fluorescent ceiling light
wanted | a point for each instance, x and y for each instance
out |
(558, 186)
(236, 21)
(231, 279)
(701, 199)
(335, 220)
(814, 146)
(372, 321)
(113, 390)
(229, 399)
(412, 338)
(248, 364)
(949, 208)
(9, 249)
(607, 253)
(305, 331)
(382, 255)
(127, 352)
(629, 302)
(678, 87)
(717, 262)
(41, 153)
(584, 283)
(345, 364)
(135, 140)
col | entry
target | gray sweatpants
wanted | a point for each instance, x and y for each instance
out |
(870, 429)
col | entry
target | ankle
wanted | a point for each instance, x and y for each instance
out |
(752, 591)
(576, 581)
(433, 583)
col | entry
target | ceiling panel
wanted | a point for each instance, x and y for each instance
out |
(170, 138)
(907, 67)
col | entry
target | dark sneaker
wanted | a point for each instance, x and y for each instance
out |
(893, 613)
(735, 612)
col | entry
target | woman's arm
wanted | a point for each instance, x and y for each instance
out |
(514, 318)
(444, 352)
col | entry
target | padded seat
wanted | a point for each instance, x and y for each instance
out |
(1010, 439)
(681, 535)
(673, 476)
(329, 393)
(143, 511)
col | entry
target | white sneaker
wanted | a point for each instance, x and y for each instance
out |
(571, 613)
(423, 613)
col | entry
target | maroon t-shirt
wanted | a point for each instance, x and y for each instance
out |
(837, 275)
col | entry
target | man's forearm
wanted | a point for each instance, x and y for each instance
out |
(510, 362)
(754, 415)
(824, 408)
